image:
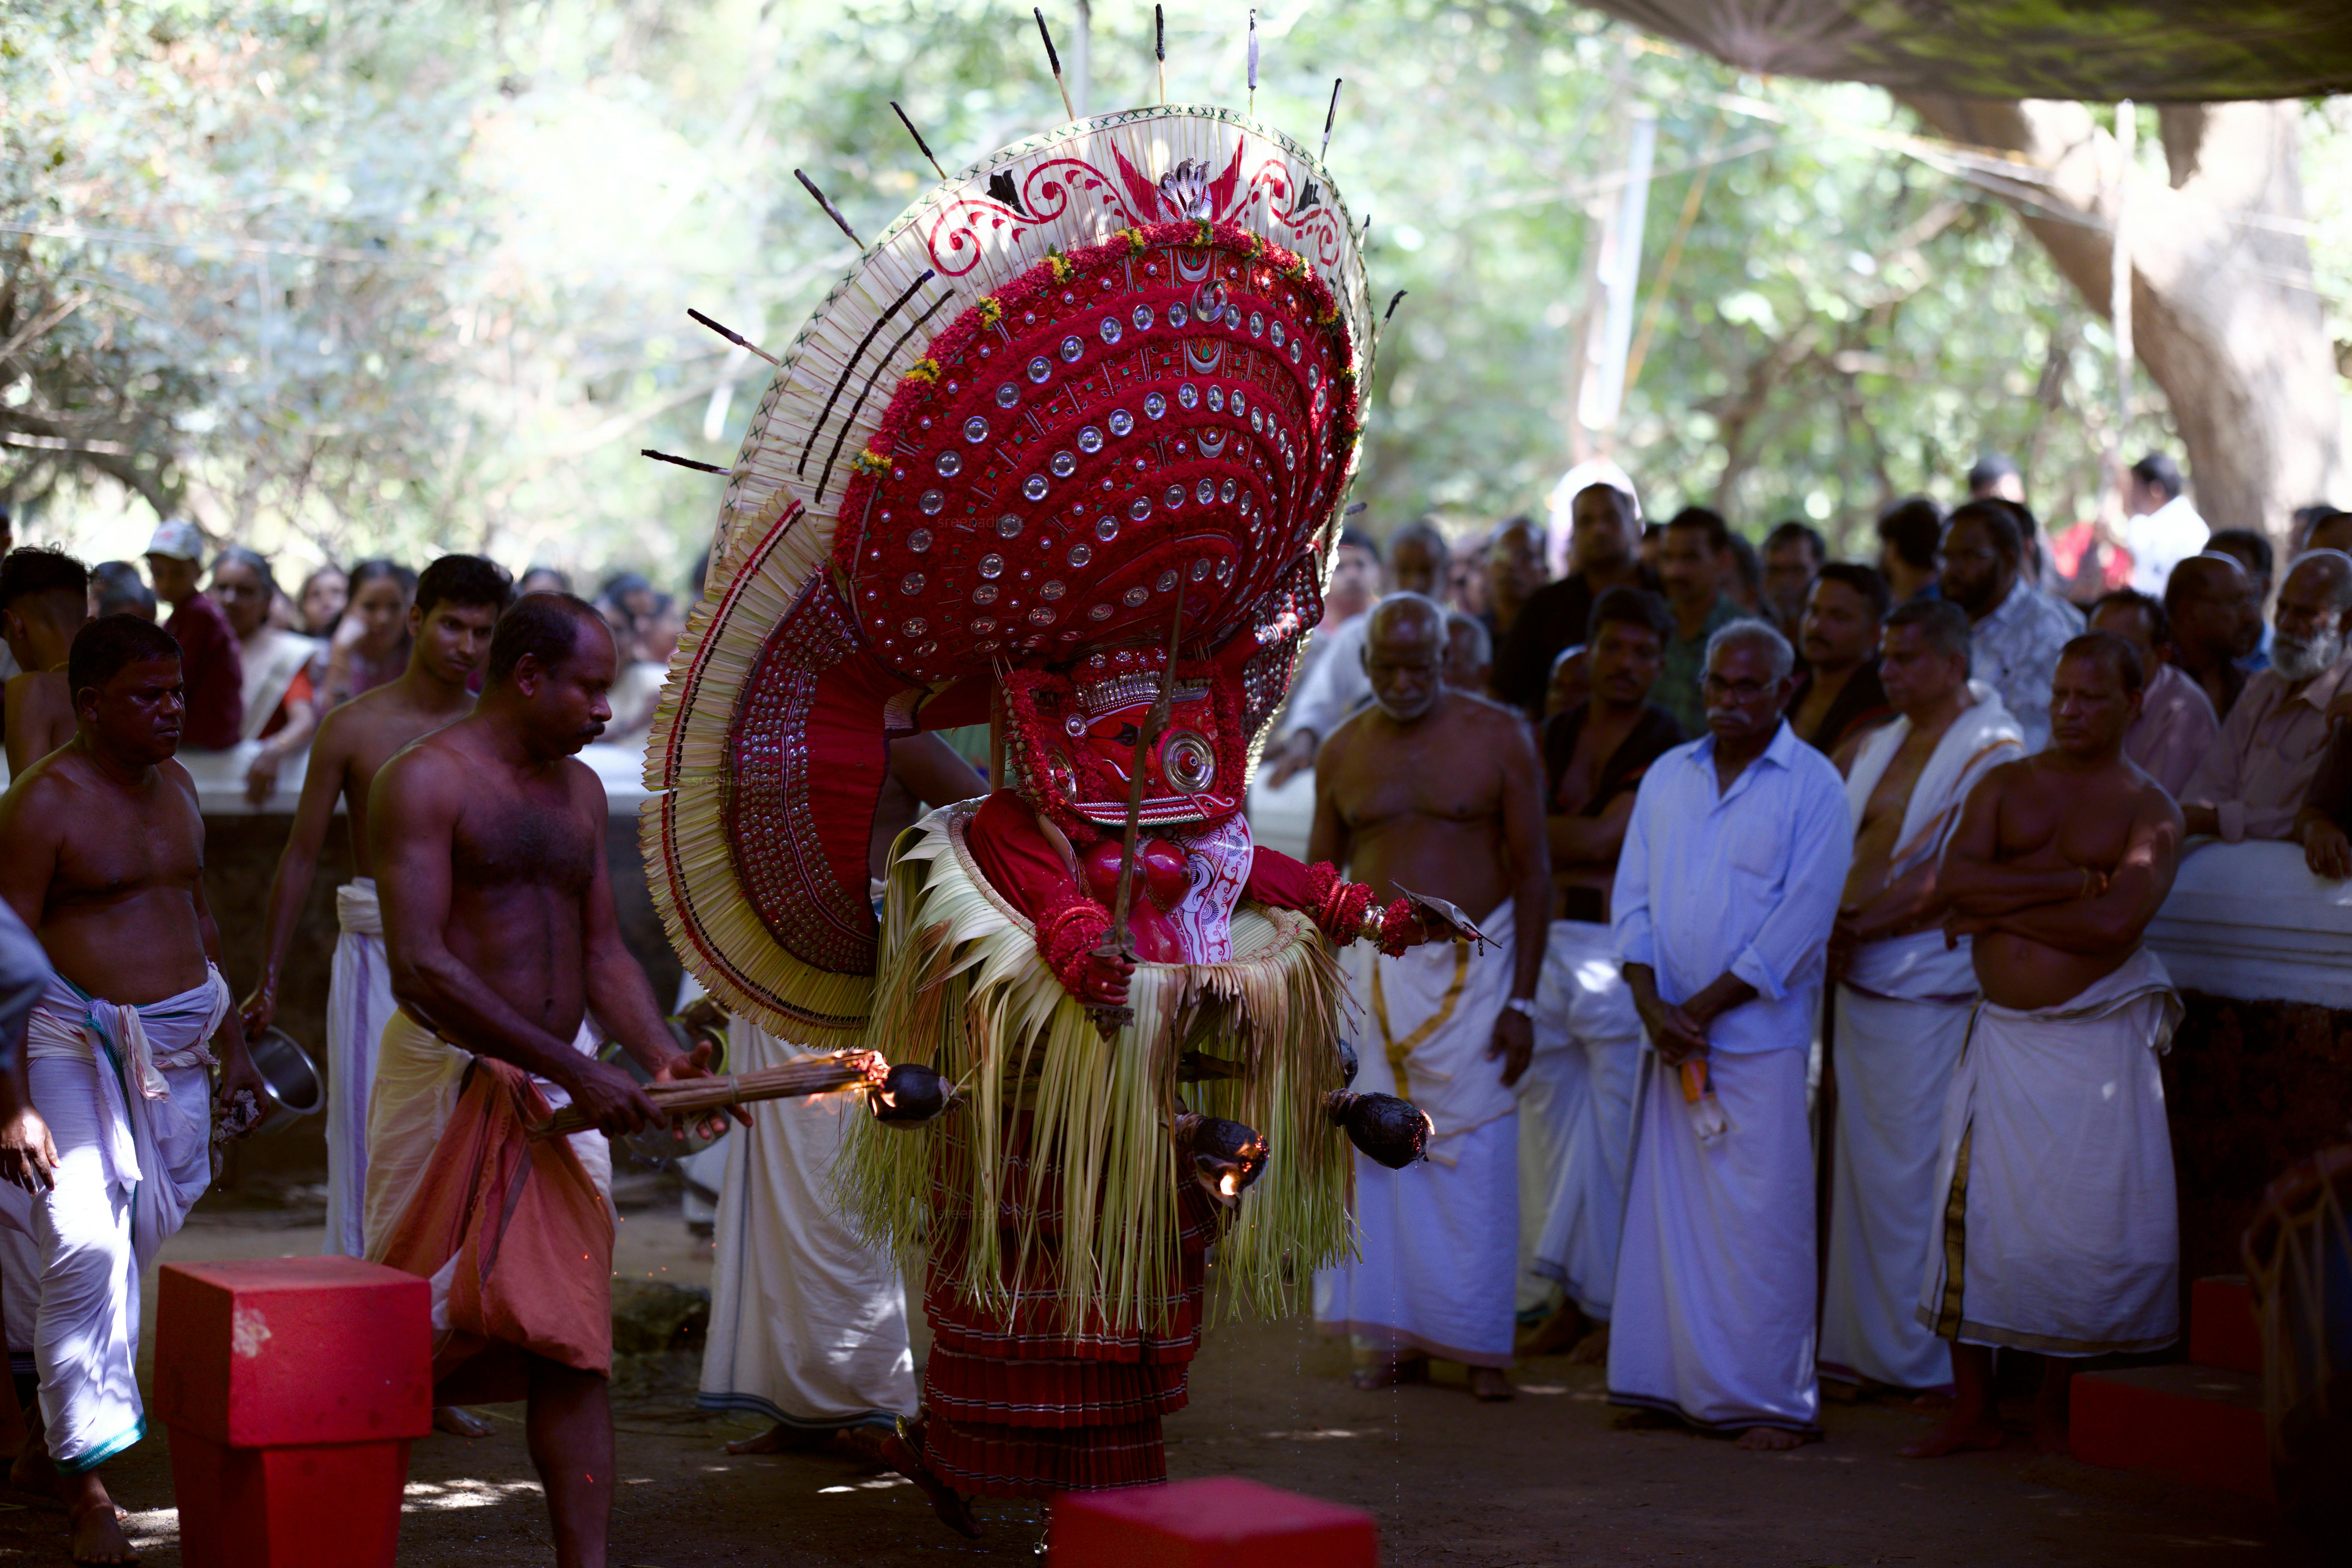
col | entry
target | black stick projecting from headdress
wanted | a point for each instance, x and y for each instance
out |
(924, 146)
(1054, 60)
(830, 211)
(1392, 305)
(737, 339)
(1354, 507)
(1329, 115)
(1159, 48)
(681, 462)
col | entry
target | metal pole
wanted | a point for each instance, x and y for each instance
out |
(2119, 288)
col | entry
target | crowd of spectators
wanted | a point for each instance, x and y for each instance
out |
(263, 665)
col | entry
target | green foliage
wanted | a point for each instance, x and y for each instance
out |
(362, 275)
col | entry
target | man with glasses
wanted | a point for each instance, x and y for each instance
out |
(1726, 892)
(2018, 629)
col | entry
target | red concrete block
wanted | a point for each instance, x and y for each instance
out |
(2222, 1328)
(294, 1350)
(2197, 1425)
(1219, 1522)
(293, 1387)
(301, 1507)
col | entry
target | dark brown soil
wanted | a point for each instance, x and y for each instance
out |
(1544, 1479)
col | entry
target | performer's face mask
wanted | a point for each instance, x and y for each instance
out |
(1089, 752)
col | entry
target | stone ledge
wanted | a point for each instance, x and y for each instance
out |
(2250, 922)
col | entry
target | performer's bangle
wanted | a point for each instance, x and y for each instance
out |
(1394, 922)
(1340, 912)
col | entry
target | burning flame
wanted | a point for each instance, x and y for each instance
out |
(1228, 1185)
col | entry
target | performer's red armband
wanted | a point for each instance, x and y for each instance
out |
(1394, 928)
(1337, 907)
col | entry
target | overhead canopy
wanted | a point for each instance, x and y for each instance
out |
(2099, 51)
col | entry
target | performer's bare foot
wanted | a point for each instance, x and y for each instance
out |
(1963, 1431)
(97, 1524)
(1491, 1384)
(1562, 1330)
(1768, 1440)
(771, 1441)
(1390, 1372)
(902, 1451)
(459, 1422)
(1592, 1350)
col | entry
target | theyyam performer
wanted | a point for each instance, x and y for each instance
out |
(1065, 453)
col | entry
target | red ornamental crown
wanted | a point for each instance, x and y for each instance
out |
(1171, 413)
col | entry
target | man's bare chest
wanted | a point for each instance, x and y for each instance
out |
(525, 838)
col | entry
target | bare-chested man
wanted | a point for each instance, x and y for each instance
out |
(44, 600)
(1904, 998)
(458, 601)
(488, 843)
(2055, 1188)
(1439, 792)
(1726, 888)
(1576, 1103)
(105, 1113)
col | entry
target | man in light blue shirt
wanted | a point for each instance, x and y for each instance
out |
(1726, 892)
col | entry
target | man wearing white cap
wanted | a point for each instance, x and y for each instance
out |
(209, 662)
(1604, 528)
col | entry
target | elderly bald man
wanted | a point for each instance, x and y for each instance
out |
(1438, 791)
(1726, 889)
(2253, 779)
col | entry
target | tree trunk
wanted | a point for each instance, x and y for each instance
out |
(2224, 313)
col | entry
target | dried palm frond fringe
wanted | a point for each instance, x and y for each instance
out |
(713, 924)
(963, 990)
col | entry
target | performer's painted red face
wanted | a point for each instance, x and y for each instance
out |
(1084, 748)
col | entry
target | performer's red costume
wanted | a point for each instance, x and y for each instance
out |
(1099, 390)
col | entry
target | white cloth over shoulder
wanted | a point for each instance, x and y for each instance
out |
(808, 1324)
(1713, 1316)
(2059, 1231)
(1335, 685)
(359, 1001)
(1439, 1240)
(129, 1103)
(1588, 1057)
(1919, 967)
(1743, 881)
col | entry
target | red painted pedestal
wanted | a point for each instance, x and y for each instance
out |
(292, 1388)
(1220, 1521)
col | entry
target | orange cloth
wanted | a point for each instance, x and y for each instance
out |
(530, 1236)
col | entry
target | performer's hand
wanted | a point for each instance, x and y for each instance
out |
(2327, 850)
(1674, 1033)
(29, 1156)
(695, 1063)
(1514, 1042)
(259, 1010)
(239, 1076)
(261, 776)
(1959, 928)
(611, 1099)
(1297, 754)
(1104, 982)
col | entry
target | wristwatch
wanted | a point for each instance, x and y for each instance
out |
(1524, 1006)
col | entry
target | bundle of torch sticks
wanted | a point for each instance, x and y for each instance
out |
(690, 1097)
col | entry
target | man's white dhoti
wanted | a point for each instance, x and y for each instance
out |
(1589, 1050)
(2059, 1231)
(359, 1002)
(808, 1324)
(1715, 1278)
(1439, 1240)
(418, 1077)
(1901, 1015)
(128, 1101)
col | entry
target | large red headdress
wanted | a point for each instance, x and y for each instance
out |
(1103, 379)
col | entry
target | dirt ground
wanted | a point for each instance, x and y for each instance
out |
(1545, 1479)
